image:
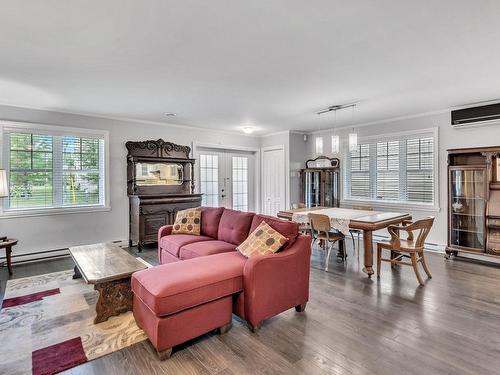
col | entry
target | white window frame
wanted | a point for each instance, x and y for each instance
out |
(395, 204)
(6, 212)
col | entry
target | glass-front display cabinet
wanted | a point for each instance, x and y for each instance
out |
(474, 201)
(320, 182)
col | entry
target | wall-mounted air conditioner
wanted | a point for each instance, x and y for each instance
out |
(476, 116)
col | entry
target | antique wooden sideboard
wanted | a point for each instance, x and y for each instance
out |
(160, 182)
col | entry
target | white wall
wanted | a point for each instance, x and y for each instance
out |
(60, 231)
(448, 138)
(298, 156)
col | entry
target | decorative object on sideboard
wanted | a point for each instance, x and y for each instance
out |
(320, 182)
(160, 182)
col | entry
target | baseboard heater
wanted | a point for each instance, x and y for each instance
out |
(50, 254)
(46, 254)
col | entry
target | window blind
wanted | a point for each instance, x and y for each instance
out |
(54, 170)
(396, 170)
(388, 170)
(360, 172)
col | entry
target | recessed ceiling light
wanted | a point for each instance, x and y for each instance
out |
(170, 114)
(248, 129)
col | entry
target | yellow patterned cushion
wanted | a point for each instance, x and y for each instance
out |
(263, 240)
(187, 222)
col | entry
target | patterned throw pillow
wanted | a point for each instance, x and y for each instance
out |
(187, 222)
(263, 240)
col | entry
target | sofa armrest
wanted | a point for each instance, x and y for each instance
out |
(162, 232)
(274, 283)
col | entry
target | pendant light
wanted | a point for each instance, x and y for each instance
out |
(353, 137)
(319, 145)
(335, 137)
(353, 142)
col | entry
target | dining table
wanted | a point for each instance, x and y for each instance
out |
(345, 219)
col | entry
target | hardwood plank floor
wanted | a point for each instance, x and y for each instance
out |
(352, 325)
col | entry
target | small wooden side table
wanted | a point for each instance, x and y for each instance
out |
(7, 243)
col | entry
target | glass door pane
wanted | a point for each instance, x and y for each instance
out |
(331, 193)
(209, 180)
(312, 189)
(468, 208)
(240, 182)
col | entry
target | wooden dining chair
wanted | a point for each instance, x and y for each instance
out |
(407, 248)
(358, 232)
(321, 230)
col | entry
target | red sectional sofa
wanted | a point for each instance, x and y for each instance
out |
(203, 279)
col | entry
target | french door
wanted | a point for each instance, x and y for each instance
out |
(226, 179)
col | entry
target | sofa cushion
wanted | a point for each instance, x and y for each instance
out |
(199, 249)
(289, 229)
(174, 287)
(234, 226)
(174, 242)
(264, 240)
(187, 222)
(210, 218)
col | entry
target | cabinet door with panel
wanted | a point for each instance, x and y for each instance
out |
(467, 207)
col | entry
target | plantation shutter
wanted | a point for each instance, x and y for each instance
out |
(399, 170)
(360, 172)
(53, 169)
(388, 170)
(419, 173)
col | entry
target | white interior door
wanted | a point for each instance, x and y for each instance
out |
(226, 179)
(273, 180)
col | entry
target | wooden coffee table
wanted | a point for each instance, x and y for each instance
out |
(109, 268)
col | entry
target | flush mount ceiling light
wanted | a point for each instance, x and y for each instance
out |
(248, 129)
(170, 114)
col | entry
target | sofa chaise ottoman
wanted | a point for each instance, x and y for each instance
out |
(202, 278)
(174, 303)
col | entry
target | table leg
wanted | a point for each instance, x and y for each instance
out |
(115, 297)
(368, 247)
(77, 274)
(342, 249)
(8, 252)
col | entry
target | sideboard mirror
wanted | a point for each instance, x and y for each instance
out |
(152, 174)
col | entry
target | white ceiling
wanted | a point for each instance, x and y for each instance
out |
(222, 64)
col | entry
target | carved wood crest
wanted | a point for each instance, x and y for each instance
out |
(326, 162)
(158, 148)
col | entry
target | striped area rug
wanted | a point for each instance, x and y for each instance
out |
(46, 325)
